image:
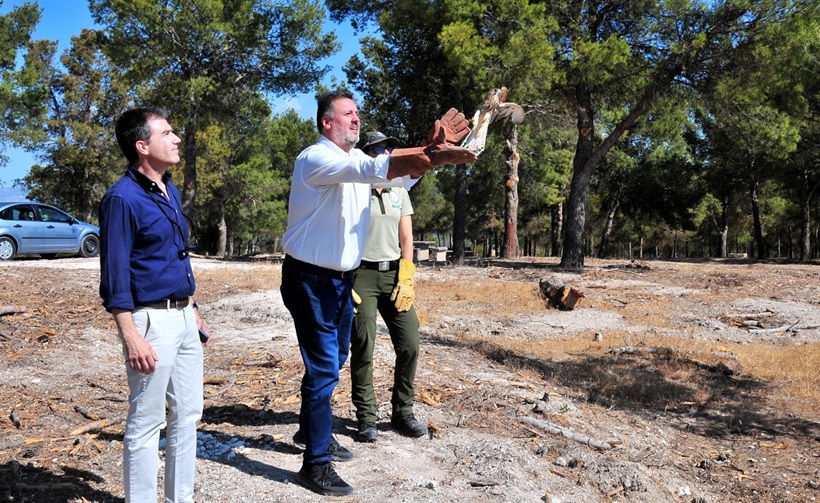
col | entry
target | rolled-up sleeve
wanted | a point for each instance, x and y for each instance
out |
(116, 243)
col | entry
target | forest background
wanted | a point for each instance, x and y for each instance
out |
(653, 129)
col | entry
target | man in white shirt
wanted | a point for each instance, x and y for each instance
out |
(329, 213)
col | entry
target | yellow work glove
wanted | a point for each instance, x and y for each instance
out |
(403, 294)
(356, 301)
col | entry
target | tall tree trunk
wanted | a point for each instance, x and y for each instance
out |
(807, 193)
(511, 203)
(610, 223)
(753, 194)
(573, 255)
(189, 173)
(460, 216)
(722, 228)
(556, 228)
(724, 242)
(222, 229)
(805, 230)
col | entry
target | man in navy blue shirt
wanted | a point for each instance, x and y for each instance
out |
(147, 284)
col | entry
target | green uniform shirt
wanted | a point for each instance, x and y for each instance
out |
(386, 209)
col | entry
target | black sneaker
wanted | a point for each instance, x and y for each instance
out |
(367, 432)
(408, 425)
(323, 479)
(337, 452)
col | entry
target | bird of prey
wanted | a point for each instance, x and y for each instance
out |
(494, 108)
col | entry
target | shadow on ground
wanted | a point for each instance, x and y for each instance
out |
(708, 400)
(32, 484)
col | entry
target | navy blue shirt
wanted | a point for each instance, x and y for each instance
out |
(143, 244)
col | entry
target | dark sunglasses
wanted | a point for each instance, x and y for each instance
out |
(381, 149)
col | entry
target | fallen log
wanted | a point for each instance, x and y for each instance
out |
(10, 338)
(566, 433)
(95, 425)
(17, 443)
(87, 414)
(784, 328)
(5, 310)
(667, 351)
(747, 315)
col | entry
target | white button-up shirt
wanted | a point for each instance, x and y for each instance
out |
(329, 208)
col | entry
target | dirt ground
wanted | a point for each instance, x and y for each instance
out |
(671, 382)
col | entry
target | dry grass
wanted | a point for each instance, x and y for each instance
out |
(216, 283)
(795, 370)
(482, 296)
(791, 372)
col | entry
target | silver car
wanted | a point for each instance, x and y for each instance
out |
(29, 227)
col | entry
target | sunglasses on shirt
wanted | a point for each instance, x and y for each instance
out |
(381, 149)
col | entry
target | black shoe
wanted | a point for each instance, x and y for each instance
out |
(367, 432)
(323, 479)
(408, 425)
(337, 452)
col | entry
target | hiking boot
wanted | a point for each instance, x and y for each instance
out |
(408, 425)
(323, 479)
(337, 452)
(367, 432)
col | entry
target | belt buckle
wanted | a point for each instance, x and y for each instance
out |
(384, 266)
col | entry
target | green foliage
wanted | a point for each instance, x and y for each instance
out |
(205, 59)
(15, 32)
(432, 211)
(673, 112)
(70, 125)
(207, 46)
(249, 165)
(499, 43)
(16, 28)
(403, 77)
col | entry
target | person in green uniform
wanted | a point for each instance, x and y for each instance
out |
(384, 284)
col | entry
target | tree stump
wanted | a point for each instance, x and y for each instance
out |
(558, 295)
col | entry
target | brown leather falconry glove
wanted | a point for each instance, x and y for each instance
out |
(418, 160)
(455, 125)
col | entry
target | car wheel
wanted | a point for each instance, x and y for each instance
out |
(7, 248)
(90, 246)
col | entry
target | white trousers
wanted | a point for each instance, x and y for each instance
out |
(176, 381)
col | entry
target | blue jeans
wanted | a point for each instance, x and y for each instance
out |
(322, 311)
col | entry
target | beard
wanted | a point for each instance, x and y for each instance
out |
(350, 138)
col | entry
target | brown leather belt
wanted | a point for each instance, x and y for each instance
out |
(167, 304)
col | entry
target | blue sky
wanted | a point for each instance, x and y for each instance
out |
(62, 19)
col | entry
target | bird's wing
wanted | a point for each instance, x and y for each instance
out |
(512, 112)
